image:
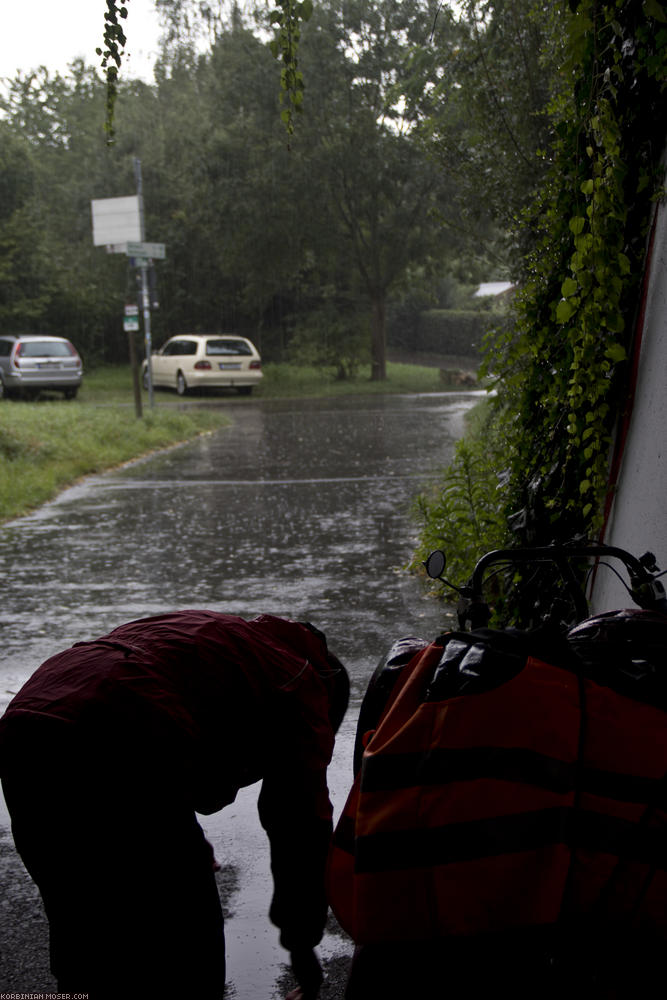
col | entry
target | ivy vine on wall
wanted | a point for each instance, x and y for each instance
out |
(563, 366)
(541, 452)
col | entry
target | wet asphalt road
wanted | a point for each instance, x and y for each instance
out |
(299, 509)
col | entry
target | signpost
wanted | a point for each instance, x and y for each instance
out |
(146, 251)
(115, 221)
(131, 320)
(118, 224)
(131, 326)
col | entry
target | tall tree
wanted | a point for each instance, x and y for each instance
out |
(388, 196)
(69, 286)
(217, 163)
(485, 110)
(20, 293)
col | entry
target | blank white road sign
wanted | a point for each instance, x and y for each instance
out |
(116, 220)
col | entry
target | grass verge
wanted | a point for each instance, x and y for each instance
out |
(284, 381)
(45, 447)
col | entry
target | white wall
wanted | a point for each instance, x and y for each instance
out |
(639, 515)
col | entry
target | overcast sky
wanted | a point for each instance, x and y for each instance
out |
(44, 32)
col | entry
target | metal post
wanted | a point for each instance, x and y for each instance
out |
(145, 297)
(146, 305)
(135, 375)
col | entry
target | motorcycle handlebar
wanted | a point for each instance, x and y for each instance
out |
(646, 590)
(558, 554)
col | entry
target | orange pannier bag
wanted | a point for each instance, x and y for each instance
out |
(500, 791)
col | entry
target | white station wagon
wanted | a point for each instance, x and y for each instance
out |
(205, 361)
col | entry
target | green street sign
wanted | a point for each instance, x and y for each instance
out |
(131, 319)
(146, 251)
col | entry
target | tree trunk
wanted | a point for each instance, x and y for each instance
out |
(378, 338)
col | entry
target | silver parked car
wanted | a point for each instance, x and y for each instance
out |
(32, 362)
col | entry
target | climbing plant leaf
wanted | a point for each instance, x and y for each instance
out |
(287, 18)
(111, 53)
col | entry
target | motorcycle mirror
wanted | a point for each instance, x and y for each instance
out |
(435, 564)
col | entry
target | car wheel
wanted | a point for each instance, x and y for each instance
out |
(181, 384)
(71, 393)
(144, 379)
(3, 394)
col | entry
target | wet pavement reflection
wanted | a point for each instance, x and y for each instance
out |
(300, 508)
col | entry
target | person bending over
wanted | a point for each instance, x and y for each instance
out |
(109, 750)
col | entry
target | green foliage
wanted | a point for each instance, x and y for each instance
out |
(464, 514)
(333, 335)
(483, 108)
(53, 280)
(21, 284)
(112, 54)
(563, 368)
(287, 18)
(383, 194)
(441, 331)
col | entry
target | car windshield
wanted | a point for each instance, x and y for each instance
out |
(228, 347)
(44, 349)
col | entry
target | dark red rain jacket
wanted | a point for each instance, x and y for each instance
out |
(214, 703)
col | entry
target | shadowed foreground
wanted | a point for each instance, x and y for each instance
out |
(25, 934)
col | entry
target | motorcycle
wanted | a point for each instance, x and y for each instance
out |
(626, 641)
(517, 777)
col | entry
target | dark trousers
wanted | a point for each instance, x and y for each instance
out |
(123, 868)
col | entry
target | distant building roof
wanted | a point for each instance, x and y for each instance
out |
(493, 288)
